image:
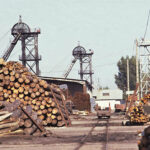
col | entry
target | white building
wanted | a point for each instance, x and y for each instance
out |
(104, 98)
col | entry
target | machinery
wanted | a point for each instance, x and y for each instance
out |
(70, 68)
(103, 113)
(29, 44)
(119, 107)
(11, 47)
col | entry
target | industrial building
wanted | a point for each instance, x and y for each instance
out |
(107, 97)
(73, 85)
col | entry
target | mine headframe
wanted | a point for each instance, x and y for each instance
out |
(29, 45)
(85, 59)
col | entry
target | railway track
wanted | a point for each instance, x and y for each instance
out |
(85, 138)
(107, 134)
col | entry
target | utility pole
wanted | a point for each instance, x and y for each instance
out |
(137, 70)
(128, 86)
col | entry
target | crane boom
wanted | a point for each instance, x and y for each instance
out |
(70, 67)
(11, 47)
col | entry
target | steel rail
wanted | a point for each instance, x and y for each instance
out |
(83, 140)
(107, 137)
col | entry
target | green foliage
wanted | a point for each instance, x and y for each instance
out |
(121, 77)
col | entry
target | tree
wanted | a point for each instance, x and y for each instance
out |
(121, 77)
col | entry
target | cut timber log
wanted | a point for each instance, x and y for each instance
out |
(21, 122)
(54, 111)
(3, 112)
(7, 121)
(19, 131)
(29, 131)
(60, 123)
(59, 118)
(28, 123)
(5, 116)
(8, 125)
(5, 130)
(54, 121)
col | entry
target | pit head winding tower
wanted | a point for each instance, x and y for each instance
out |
(29, 43)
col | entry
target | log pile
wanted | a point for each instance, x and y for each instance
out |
(136, 112)
(15, 119)
(137, 115)
(9, 125)
(146, 99)
(81, 101)
(17, 83)
(144, 143)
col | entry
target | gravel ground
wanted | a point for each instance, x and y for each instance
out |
(86, 133)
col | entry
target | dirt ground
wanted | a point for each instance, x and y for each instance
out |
(86, 133)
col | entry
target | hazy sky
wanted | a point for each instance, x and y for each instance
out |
(108, 27)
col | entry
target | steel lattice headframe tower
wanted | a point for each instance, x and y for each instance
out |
(144, 55)
(29, 43)
(85, 59)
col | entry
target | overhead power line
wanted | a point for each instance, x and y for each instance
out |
(147, 24)
(3, 36)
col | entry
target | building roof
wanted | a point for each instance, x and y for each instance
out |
(82, 82)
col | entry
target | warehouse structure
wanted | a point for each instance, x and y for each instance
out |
(73, 85)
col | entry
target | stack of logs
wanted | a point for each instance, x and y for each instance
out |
(15, 119)
(146, 99)
(82, 101)
(17, 83)
(8, 124)
(137, 115)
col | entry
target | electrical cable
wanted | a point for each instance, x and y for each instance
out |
(5, 34)
(60, 62)
(14, 53)
(75, 69)
(110, 54)
(105, 65)
(146, 25)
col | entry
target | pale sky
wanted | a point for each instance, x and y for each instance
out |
(108, 27)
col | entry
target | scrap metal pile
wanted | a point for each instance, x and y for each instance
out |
(48, 101)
